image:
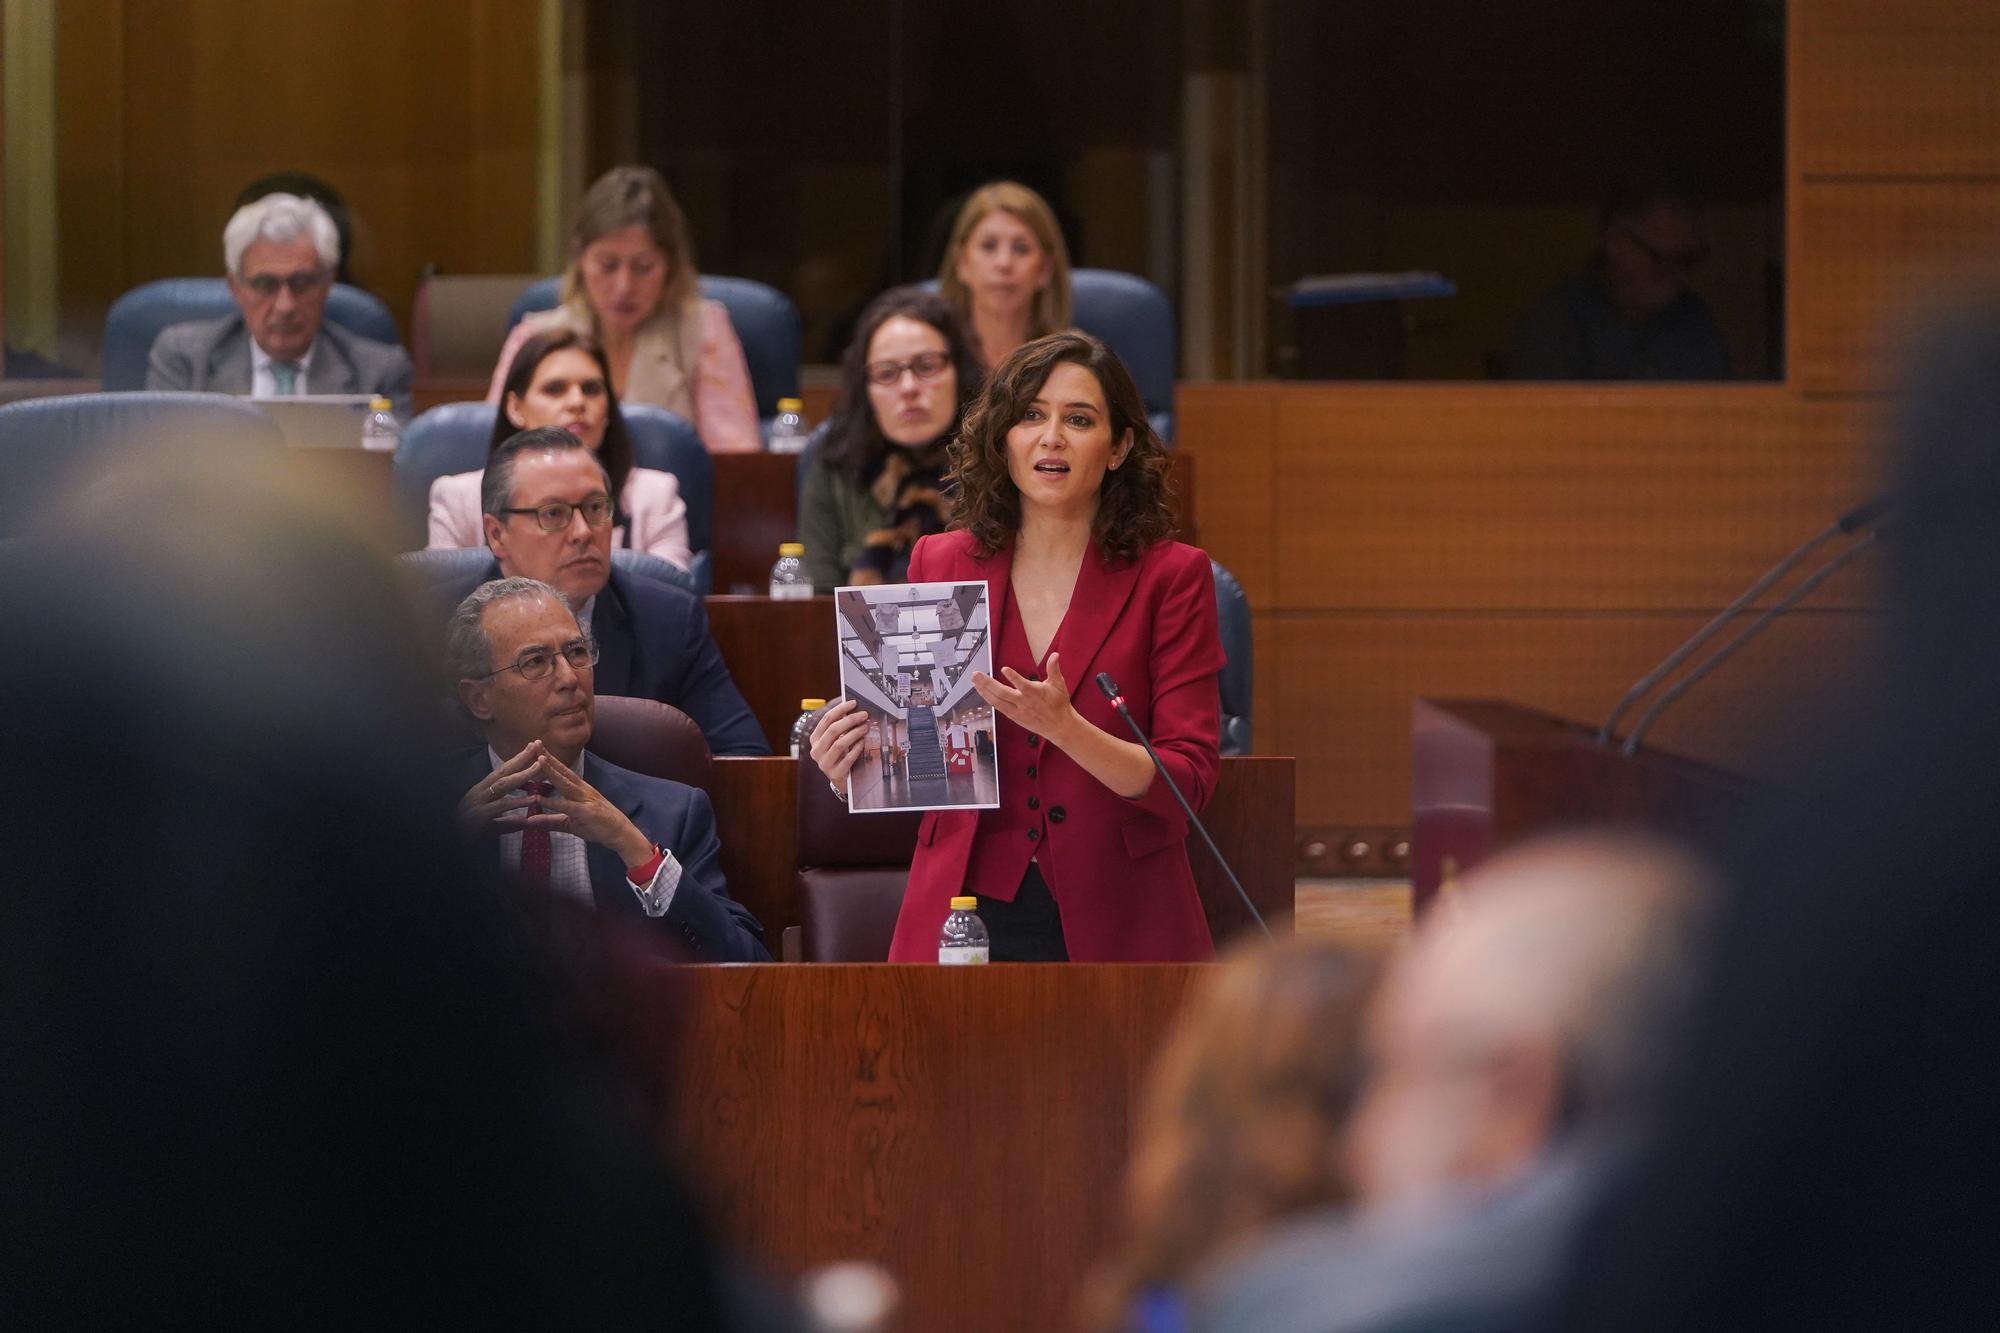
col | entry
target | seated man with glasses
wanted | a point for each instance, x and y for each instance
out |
(281, 252)
(561, 819)
(547, 510)
(1630, 315)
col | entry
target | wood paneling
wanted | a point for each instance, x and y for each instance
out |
(1531, 498)
(965, 1127)
(423, 116)
(1229, 430)
(1896, 87)
(1349, 680)
(1869, 257)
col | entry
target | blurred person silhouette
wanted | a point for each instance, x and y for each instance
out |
(1630, 314)
(1826, 1157)
(1509, 1051)
(276, 1055)
(1006, 270)
(1241, 1121)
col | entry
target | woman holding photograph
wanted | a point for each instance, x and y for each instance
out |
(1062, 511)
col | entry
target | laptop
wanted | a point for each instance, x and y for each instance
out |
(319, 420)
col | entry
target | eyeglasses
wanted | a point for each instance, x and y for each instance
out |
(1678, 260)
(554, 516)
(298, 284)
(581, 654)
(928, 366)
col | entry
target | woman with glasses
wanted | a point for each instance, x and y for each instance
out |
(559, 377)
(876, 483)
(632, 283)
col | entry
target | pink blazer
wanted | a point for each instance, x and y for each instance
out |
(716, 397)
(1117, 869)
(655, 514)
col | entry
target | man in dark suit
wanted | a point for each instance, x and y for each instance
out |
(281, 252)
(548, 514)
(564, 820)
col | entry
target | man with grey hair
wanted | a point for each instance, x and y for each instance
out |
(559, 819)
(280, 254)
(1509, 1050)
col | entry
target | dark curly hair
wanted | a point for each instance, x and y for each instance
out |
(614, 451)
(854, 441)
(1133, 512)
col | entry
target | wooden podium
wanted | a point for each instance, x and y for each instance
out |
(967, 1128)
(1487, 773)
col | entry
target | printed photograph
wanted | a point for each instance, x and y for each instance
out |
(907, 654)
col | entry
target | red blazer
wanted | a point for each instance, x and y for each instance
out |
(1117, 869)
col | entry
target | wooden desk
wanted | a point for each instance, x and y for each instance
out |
(967, 1128)
(1250, 815)
(778, 653)
(756, 510)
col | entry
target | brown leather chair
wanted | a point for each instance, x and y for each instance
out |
(650, 737)
(852, 870)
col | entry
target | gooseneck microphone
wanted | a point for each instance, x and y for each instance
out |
(1110, 688)
(1861, 516)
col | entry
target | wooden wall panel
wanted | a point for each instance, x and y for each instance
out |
(1394, 497)
(1870, 256)
(423, 116)
(1902, 88)
(1230, 430)
(1344, 707)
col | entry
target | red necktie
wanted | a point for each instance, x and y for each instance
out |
(535, 842)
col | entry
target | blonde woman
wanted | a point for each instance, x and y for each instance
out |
(1006, 271)
(632, 284)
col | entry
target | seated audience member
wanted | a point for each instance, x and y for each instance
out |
(877, 484)
(1510, 1052)
(1006, 270)
(1241, 1122)
(1629, 315)
(547, 510)
(280, 253)
(301, 1066)
(565, 821)
(560, 378)
(632, 283)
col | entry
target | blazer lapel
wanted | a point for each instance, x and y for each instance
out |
(229, 361)
(995, 569)
(611, 626)
(1099, 598)
(333, 369)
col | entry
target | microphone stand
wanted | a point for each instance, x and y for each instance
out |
(1742, 636)
(1110, 688)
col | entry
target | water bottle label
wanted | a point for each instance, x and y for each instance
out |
(791, 592)
(955, 954)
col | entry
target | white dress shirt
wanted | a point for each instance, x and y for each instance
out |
(263, 384)
(569, 866)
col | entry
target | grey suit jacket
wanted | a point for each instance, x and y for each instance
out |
(214, 355)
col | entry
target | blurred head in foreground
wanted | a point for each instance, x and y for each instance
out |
(1241, 1121)
(267, 1042)
(1526, 1011)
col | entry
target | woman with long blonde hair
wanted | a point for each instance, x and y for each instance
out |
(1006, 270)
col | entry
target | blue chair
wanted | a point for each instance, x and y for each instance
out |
(1135, 319)
(450, 565)
(1233, 614)
(453, 438)
(137, 317)
(767, 324)
(43, 439)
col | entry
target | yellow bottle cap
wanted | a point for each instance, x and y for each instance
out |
(807, 705)
(792, 548)
(964, 904)
(380, 405)
(791, 404)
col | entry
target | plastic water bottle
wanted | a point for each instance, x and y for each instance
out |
(802, 728)
(788, 576)
(789, 431)
(963, 939)
(379, 429)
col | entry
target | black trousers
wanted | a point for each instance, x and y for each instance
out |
(1029, 929)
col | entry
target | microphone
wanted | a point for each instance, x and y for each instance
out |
(1742, 636)
(1864, 515)
(1110, 688)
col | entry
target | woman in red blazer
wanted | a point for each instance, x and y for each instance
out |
(1062, 511)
